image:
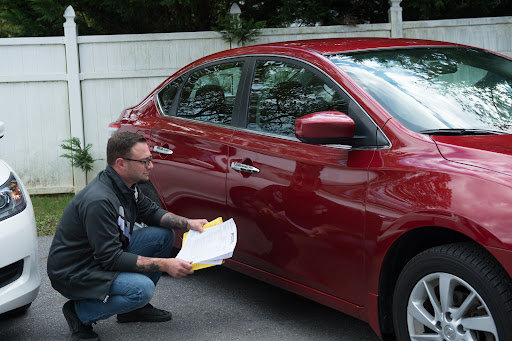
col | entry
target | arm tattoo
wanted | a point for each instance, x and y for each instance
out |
(145, 264)
(174, 221)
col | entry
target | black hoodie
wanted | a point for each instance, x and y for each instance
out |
(89, 247)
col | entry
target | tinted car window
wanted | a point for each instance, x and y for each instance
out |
(283, 92)
(209, 94)
(167, 94)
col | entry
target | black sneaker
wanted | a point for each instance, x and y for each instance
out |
(79, 331)
(148, 313)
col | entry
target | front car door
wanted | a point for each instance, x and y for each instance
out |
(299, 207)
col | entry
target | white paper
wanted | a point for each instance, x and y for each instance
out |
(212, 246)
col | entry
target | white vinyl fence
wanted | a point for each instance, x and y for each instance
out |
(53, 88)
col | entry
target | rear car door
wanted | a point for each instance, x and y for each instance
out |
(189, 142)
(299, 207)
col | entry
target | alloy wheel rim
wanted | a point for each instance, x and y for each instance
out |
(442, 306)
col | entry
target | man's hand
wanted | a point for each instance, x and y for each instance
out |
(197, 224)
(177, 268)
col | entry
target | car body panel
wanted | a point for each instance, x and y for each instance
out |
(326, 221)
(361, 312)
(5, 172)
(18, 240)
(491, 152)
(330, 46)
(191, 181)
(412, 186)
(297, 199)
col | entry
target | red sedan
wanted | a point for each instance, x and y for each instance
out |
(370, 175)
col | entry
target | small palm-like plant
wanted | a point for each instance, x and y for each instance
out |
(239, 31)
(79, 157)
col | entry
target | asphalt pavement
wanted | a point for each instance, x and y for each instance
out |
(213, 304)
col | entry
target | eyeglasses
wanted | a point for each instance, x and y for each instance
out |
(144, 161)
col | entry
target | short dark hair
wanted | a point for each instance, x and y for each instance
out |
(120, 145)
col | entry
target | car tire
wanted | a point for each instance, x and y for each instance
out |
(149, 191)
(454, 292)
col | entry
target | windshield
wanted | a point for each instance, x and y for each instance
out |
(429, 89)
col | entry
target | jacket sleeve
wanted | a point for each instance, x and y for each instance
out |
(100, 220)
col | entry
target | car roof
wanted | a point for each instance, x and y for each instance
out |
(338, 45)
(316, 46)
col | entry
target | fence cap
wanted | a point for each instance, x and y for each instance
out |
(69, 13)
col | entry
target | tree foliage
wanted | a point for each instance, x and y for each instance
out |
(316, 12)
(239, 31)
(44, 17)
(451, 9)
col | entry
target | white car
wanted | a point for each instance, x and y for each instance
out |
(19, 262)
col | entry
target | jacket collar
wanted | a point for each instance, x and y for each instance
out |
(128, 193)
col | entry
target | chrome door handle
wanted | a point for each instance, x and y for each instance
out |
(162, 150)
(244, 168)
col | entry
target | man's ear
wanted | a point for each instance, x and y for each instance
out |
(120, 164)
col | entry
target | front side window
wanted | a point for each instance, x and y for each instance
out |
(209, 94)
(282, 92)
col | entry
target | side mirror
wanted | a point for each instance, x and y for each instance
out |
(1, 129)
(325, 127)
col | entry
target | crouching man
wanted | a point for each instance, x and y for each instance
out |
(98, 261)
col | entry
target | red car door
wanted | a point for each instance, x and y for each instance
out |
(190, 142)
(299, 207)
(191, 180)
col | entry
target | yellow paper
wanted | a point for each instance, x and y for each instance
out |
(198, 266)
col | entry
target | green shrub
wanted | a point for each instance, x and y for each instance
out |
(80, 157)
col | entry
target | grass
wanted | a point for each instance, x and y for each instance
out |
(48, 209)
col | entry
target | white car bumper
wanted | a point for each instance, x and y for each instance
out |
(19, 259)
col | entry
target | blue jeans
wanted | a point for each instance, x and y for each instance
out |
(130, 290)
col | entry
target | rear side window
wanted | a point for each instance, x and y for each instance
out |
(167, 94)
(282, 92)
(209, 94)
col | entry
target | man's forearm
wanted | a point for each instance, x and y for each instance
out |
(147, 264)
(174, 221)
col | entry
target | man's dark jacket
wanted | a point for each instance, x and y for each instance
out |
(89, 247)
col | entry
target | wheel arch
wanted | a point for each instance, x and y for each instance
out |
(399, 254)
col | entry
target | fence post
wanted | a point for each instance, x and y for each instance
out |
(395, 19)
(74, 90)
